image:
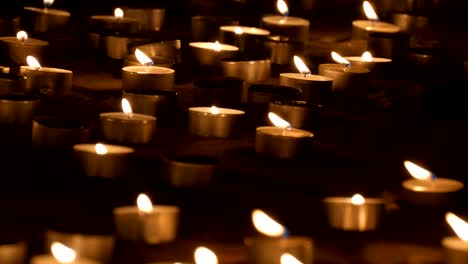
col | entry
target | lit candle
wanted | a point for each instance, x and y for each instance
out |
(54, 133)
(203, 255)
(362, 28)
(145, 222)
(103, 160)
(456, 247)
(354, 213)
(18, 109)
(315, 88)
(300, 114)
(366, 60)
(291, 28)
(45, 19)
(46, 81)
(20, 46)
(63, 255)
(276, 241)
(146, 76)
(213, 121)
(280, 140)
(127, 127)
(426, 181)
(211, 53)
(116, 23)
(246, 38)
(346, 77)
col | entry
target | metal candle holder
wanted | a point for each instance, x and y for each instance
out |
(46, 19)
(189, 171)
(353, 80)
(265, 250)
(124, 128)
(148, 19)
(282, 143)
(300, 114)
(114, 163)
(410, 23)
(158, 103)
(292, 28)
(315, 88)
(57, 133)
(18, 108)
(206, 124)
(158, 226)
(170, 49)
(386, 45)
(16, 51)
(455, 249)
(344, 215)
(204, 56)
(92, 246)
(282, 50)
(248, 41)
(147, 78)
(158, 61)
(47, 81)
(13, 252)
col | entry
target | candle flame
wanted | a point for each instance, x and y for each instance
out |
(33, 62)
(126, 108)
(142, 57)
(204, 255)
(22, 35)
(100, 149)
(417, 172)
(278, 121)
(282, 7)
(62, 253)
(287, 258)
(300, 65)
(459, 226)
(217, 46)
(144, 203)
(48, 3)
(367, 56)
(214, 110)
(118, 12)
(357, 199)
(369, 11)
(266, 225)
(238, 31)
(337, 57)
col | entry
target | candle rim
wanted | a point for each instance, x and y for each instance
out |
(388, 27)
(456, 185)
(374, 59)
(231, 28)
(300, 76)
(111, 116)
(157, 209)
(48, 70)
(296, 103)
(51, 11)
(454, 242)
(345, 200)
(299, 21)
(200, 109)
(240, 60)
(27, 42)
(124, 19)
(163, 70)
(337, 67)
(86, 146)
(150, 93)
(262, 129)
(200, 45)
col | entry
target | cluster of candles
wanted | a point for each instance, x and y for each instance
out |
(283, 140)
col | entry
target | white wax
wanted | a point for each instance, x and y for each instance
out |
(49, 11)
(289, 132)
(439, 185)
(307, 77)
(343, 68)
(374, 60)
(286, 21)
(455, 243)
(49, 259)
(128, 117)
(148, 70)
(376, 26)
(111, 149)
(212, 46)
(246, 30)
(27, 42)
(45, 70)
(157, 209)
(222, 111)
(113, 19)
(348, 200)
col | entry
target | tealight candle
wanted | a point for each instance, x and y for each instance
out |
(19, 47)
(456, 247)
(147, 77)
(346, 78)
(46, 81)
(300, 114)
(58, 133)
(13, 252)
(106, 161)
(127, 127)
(315, 88)
(425, 188)
(276, 242)
(246, 38)
(146, 222)
(185, 171)
(94, 246)
(45, 19)
(149, 19)
(280, 140)
(63, 255)
(366, 60)
(211, 53)
(410, 23)
(18, 109)
(115, 23)
(280, 50)
(213, 121)
(294, 28)
(362, 28)
(354, 213)
(389, 45)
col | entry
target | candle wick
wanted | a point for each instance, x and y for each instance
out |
(306, 74)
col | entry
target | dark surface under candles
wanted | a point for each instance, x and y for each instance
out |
(355, 151)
